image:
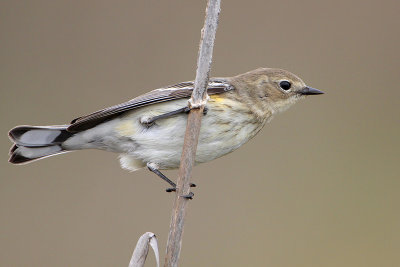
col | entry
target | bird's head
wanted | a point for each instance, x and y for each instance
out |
(274, 89)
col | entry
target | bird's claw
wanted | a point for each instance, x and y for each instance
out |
(205, 110)
(188, 109)
(173, 189)
(188, 196)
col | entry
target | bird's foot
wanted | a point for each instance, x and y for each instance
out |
(173, 189)
(188, 196)
(205, 110)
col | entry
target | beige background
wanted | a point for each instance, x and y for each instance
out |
(319, 186)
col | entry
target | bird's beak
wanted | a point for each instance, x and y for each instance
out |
(310, 91)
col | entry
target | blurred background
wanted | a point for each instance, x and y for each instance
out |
(319, 186)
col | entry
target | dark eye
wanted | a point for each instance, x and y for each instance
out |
(285, 85)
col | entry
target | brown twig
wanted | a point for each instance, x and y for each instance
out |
(197, 102)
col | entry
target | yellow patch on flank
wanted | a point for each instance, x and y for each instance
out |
(126, 128)
(217, 98)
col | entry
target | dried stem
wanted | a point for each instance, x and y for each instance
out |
(197, 101)
(142, 249)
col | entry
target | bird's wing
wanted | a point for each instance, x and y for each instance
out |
(177, 91)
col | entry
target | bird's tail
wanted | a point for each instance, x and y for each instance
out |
(37, 142)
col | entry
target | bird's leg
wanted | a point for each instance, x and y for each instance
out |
(153, 168)
(150, 120)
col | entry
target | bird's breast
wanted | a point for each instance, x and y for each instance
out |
(227, 125)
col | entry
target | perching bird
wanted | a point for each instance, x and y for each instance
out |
(149, 129)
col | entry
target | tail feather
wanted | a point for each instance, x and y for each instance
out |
(37, 142)
(28, 154)
(36, 136)
(12, 149)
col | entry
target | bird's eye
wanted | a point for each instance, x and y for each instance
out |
(285, 85)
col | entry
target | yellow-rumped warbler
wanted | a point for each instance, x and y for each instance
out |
(149, 129)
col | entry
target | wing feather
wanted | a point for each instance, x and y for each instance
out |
(173, 92)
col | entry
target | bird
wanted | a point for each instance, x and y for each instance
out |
(148, 131)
